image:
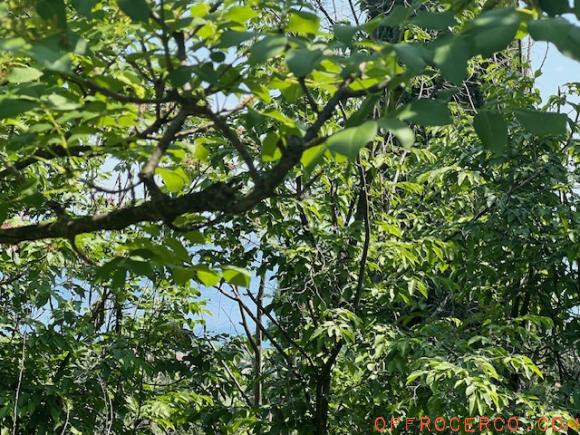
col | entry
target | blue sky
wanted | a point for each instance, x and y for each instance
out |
(557, 68)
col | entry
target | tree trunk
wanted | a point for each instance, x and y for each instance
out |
(323, 387)
(322, 398)
(258, 350)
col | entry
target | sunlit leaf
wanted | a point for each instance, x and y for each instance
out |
(237, 276)
(303, 22)
(175, 179)
(349, 141)
(23, 75)
(240, 14)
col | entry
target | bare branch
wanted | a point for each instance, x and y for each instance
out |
(149, 169)
(235, 141)
(122, 98)
(306, 91)
(57, 151)
(218, 197)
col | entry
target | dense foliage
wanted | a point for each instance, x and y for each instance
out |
(388, 201)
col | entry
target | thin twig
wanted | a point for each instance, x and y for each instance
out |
(20, 376)
(231, 375)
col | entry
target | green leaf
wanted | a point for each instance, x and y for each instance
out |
(433, 20)
(200, 152)
(395, 18)
(492, 131)
(270, 150)
(200, 10)
(232, 38)
(450, 55)
(472, 404)
(364, 111)
(59, 102)
(303, 22)
(52, 11)
(414, 56)
(200, 272)
(553, 30)
(533, 367)
(280, 117)
(237, 276)
(12, 45)
(415, 375)
(240, 14)
(344, 33)
(217, 56)
(51, 55)
(577, 8)
(492, 31)
(175, 179)
(178, 249)
(207, 276)
(542, 123)
(426, 113)
(137, 10)
(11, 107)
(194, 237)
(555, 7)
(348, 142)
(119, 278)
(302, 61)
(23, 75)
(558, 31)
(182, 275)
(399, 129)
(267, 48)
(181, 75)
(312, 157)
(84, 7)
(292, 92)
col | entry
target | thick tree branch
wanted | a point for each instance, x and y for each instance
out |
(367, 232)
(46, 154)
(218, 197)
(122, 98)
(232, 377)
(57, 151)
(256, 300)
(148, 171)
(221, 124)
(325, 12)
(309, 97)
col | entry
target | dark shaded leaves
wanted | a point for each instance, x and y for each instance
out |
(492, 131)
(425, 112)
(137, 10)
(542, 123)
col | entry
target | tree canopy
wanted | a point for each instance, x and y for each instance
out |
(387, 199)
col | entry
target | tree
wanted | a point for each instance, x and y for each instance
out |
(421, 242)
